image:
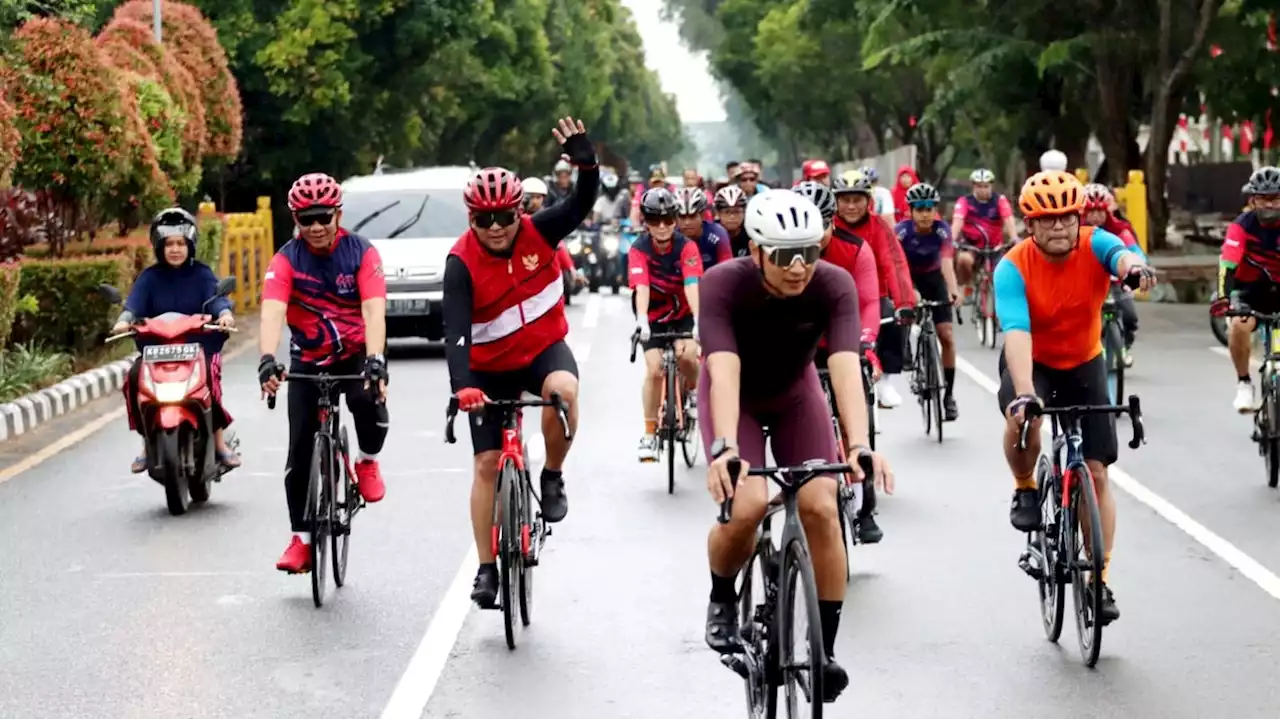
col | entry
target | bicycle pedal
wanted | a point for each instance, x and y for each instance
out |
(1031, 568)
(737, 664)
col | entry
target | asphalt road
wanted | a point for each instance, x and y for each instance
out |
(111, 608)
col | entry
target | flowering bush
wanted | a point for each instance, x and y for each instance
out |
(194, 43)
(143, 188)
(70, 112)
(10, 138)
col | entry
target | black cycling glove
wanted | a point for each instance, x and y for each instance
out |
(267, 368)
(579, 149)
(375, 370)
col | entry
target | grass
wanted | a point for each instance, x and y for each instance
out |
(28, 368)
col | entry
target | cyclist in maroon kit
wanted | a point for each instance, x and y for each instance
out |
(504, 328)
(328, 284)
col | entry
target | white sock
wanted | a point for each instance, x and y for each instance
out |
(361, 457)
(304, 537)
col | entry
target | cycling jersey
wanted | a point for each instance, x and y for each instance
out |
(713, 245)
(848, 252)
(925, 249)
(891, 264)
(666, 274)
(983, 222)
(1059, 302)
(883, 199)
(738, 244)
(1250, 252)
(323, 293)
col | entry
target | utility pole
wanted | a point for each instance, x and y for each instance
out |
(155, 19)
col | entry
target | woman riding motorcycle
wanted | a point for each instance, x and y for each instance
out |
(178, 283)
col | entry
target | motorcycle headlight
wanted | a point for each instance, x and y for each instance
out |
(575, 246)
(610, 243)
(170, 392)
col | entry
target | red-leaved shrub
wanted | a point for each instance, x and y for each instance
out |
(10, 138)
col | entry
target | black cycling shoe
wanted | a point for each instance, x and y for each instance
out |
(1024, 514)
(555, 504)
(722, 627)
(834, 681)
(1110, 612)
(949, 410)
(868, 531)
(484, 591)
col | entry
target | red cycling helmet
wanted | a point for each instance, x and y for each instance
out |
(493, 188)
(1098, 197)
(315, 189)
(814, 169)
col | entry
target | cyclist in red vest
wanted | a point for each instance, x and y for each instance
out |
(505, 325)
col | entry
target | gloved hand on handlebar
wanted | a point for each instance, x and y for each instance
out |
(642, 328)
(905, 315)
(376, 375)
(471, 399)
(1220, 306)
(869, 354)
(1143, 276)
(269, 374)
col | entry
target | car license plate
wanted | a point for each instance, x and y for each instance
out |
(408, 307)
(170, 353)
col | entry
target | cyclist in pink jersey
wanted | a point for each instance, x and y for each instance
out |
(982, 218)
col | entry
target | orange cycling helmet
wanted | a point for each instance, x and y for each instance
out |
(1051, 193)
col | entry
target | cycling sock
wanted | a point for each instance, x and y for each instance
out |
(1027, 482)
(488, 568)
(304, 537)
(830, 614)
(363, 456)
(949, 374)
(722, 589)
(1245, 378)
(651, 426)
(551, 474)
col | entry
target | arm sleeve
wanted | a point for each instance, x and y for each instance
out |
(556, 222)
(690, 263)
(1233, 245)
(210, 282)
(140, 295)
(864, 276)
(1107, 248)
(845, 332)
(1004, 208)
(278, 281)
(715, 321)
(371, 281)
(637, 268)
(944, 234)
(457, 322)
(961, 211)
(1011, 297)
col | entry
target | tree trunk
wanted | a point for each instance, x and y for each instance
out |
(1172, 76)
(1115, 78)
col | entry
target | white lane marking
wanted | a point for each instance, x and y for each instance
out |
(591, 317)
(174, 575)
(582, 351)
(411, 694)
(1226, 551)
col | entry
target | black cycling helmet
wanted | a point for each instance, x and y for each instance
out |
(1264, 181)
(690, 201)
(860, 186)
(820, 195)
(171, 222)
(922, 192)
(658, 202)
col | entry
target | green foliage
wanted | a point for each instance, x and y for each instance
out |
(209, 249)
(9, 275)
(71, 315)
(28, 368)
(136, 247)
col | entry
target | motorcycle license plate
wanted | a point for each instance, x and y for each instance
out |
(170, 353)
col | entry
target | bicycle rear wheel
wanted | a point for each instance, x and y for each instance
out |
(1268, 422)
(344, 501)
(988, 312)
(760, 653)
(801, 680)
(689, 435)
(319, 515)
(1053, 597)
(921, 383)
(938, 386)
(669, 426)
(1086, 591)
(1113, 347)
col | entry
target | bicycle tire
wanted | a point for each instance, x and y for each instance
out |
(797, 568)
(345, 497)
(689, 436)
(1269, 416)
(760, 685)
(1088, 604)
(669, 426)
(921, 385)
(868, 391)
(319, 505)
(508, 554)
(526, 539)
(1218, 325)
(988, 313)
(1053, 596)
(939, 384)
(1113, 348)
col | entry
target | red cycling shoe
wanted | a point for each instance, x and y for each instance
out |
(369, 480)
(296, 558)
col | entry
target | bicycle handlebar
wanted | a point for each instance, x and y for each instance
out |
(1246, 311)
(1133, 409)
(990, 251)
(790, 477)
(320, 378)
(562, 410)
(635, 339)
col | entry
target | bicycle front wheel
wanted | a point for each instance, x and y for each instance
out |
(689, 436)
(319, 515)
(1268, 422)
(1053, 597)
(801, 676)
(760, 651)
(345, 498)
(669, 426)
(923, 371)
(509, 556)
(1113, 347)
(1086, 566)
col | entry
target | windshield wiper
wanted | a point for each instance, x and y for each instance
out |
(372, 216)
(411, 221)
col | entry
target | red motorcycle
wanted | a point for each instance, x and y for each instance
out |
(175, 402)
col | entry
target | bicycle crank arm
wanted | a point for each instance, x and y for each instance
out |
(737, 664)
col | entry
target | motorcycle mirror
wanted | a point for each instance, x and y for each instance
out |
(109, 293)
(226, 286)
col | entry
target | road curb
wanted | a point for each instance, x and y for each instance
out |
(32, 410)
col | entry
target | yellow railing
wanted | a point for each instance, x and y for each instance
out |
(248, 244)
(1133, 200)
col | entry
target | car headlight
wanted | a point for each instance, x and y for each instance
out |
(610, 243)
(575, 246)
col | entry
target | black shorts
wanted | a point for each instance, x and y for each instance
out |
(486, 428)
(1085, 384)
(684, 324)
(1261, 295)
(932, 286)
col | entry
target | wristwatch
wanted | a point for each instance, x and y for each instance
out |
(720, 446)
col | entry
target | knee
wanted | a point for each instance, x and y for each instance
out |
(944, 332)
(486, 466)
(653, 370)
(750, 502)
(818, 510)
(1098, 471)
(563, 384)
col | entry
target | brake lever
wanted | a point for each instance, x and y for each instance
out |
(635, 342)
(1135, 419)
(726, 507)
(562, 412)
(450, 415)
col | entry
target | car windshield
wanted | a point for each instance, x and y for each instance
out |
(444, 216)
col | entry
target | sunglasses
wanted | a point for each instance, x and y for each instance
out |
(785, 257)
(312, 218)
(662, 220)
(923, 205)
(485, 220)
(748, 178)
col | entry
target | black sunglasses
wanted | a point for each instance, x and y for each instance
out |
(502, 218)
(659, 220)
(311, 218)
(784, 257)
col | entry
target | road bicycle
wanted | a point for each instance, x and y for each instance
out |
(926, 370)
(857, 523)
(984, 300)
(1067, 548)
(519, 531)
(767, 600)
(1113, 348)
(1266, 420)
(676, 420)
(333, 499)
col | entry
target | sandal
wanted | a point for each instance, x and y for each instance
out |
(139, 465)
(229, 459)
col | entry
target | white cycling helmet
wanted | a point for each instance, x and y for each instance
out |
(985, 175)
(1053, 161)
(782, 218)
(533, 186)
(563, 166)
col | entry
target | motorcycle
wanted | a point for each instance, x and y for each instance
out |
(596, 254)
(175, 402)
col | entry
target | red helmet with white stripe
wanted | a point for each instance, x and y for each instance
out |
(813, 169)
(315, 189)
(493, 188)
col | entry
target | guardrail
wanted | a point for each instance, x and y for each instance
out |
(248, 243)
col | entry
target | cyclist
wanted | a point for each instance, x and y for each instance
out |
(1249, 269)
(907, 178)
(816, 171)
(1049, 293)
(505, 325)
(926, 240)
(1099, 211)
(749, 179)
(731, 207)
(329, 286)
(177, 282)
(882, 196)
(563, 185)
(982, 218)
(663, 268)
(854, 222)
(1053, 161)
(535, 194)
(712, 239)
(760, 326)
